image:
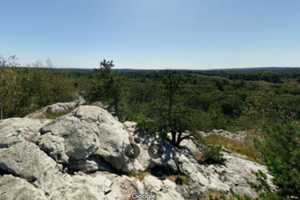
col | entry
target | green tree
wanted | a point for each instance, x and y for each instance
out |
(9, 92)
(114, 93)
(281, 151)
(106, 67)
(107, 87)
(174, 117)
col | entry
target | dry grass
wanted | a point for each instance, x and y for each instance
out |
(214, 195)
(179, 179)
(139, 175)
(54, 115)
(246, 147)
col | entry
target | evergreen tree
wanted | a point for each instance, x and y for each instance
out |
(107, 87)
(174, 117)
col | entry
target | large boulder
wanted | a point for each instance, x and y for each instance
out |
(85, 132)
(69, 138)
(20, 156)
(26, 160)
(123, 187)
(236, 176)
(162, 190)
(13, 188)
(62, 107)
(97, 186)
(81, 187)
(57, 109)
(240, 174)
(18, 129)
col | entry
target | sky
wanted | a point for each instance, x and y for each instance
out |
(185, 34)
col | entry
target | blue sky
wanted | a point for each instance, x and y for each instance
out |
(153, 33)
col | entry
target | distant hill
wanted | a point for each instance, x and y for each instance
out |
(232, 73)
(201, 71)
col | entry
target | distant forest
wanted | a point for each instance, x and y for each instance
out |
(263, 102)
(234, 99)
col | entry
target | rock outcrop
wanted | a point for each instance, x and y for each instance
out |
(86, 132)
(12, 188)
(237, 136)
(56, 109)
(81, 155)
(18, 129)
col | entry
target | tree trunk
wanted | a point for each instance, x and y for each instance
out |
(181, 138)
(116, 107)
(178, 140)
(1, 112)
(173, 138)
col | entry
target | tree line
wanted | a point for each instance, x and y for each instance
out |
(176, 102)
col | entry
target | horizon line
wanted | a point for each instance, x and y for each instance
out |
(161, 68)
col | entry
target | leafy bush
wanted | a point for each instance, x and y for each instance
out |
(146, 125)
(213, 155)
(281, 152)
(25, 90)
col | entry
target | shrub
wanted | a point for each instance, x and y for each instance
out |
(281, 152)
(146, 125)
(213, 155)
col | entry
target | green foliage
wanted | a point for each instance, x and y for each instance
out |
(205, 102)
(105, 68)
(9, 92)
(213, 155)
(173, 116)
(146, 125)
(261, 185)
(270, 196)
(165, 101)
(281, 152)
(139, 174)
(107, 88)
(23, 91)
(263, 196)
